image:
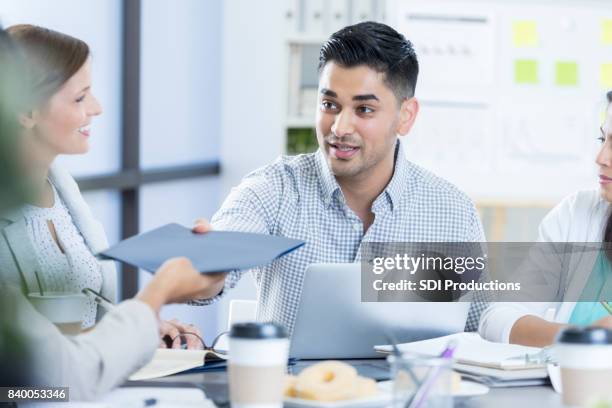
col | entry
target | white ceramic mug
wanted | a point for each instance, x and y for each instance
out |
(64, 309)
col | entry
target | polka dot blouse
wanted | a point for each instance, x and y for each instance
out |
(69, 267)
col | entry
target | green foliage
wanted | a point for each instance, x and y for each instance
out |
(301, 140)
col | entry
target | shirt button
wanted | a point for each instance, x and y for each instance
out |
(357, 226)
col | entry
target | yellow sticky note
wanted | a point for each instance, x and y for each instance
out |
(526, 71)
(566, 73)
(605, 75)
(525, 33)
(606, 32)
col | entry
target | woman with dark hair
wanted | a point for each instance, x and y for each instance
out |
(54, 238)
(32, 350)
(584, 217)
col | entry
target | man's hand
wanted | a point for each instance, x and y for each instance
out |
(177, 281)
(173, 330)
(202, 226)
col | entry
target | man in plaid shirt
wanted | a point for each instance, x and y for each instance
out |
(358, 187)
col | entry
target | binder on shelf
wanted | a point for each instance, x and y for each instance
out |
(337, 15)
(362, 11)
(292, 16)
(314, 17)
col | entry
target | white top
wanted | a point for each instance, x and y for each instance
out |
(71, 270)
(580, 217)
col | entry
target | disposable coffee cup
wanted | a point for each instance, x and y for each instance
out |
(585, 358)
(63, 309)
(258, 354)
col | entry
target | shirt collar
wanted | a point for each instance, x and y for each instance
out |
(394, 190)
(329, 185)
(396, 187)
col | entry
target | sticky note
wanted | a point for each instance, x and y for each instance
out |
(525, 33)
(566, 73)
(605, 75)
(606, 32)
(526, 71)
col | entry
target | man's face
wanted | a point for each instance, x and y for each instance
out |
(357, 121)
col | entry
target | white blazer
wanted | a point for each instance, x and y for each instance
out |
(91, 363)
(580, 217)
(18, 264)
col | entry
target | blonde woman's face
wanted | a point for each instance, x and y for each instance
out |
(62, 126)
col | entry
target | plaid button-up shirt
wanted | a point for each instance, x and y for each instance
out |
(298, 197)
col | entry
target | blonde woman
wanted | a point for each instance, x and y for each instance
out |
(53, 240)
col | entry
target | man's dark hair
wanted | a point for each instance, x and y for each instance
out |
(378, 47)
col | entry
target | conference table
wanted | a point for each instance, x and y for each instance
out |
(214, 384)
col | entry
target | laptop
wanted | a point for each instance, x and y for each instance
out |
(333, 323)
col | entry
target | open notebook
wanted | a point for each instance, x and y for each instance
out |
(474, 350)
(494, 364)
(173, 361)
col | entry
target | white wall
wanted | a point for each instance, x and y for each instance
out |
(254, 80)
(180, 82)
(180, 120)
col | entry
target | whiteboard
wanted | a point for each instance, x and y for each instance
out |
(491, 123)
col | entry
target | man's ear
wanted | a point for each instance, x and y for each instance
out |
(408, 113)
(29, 120)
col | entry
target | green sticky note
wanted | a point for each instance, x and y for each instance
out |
(526, 71)
(605, 75)
(606, 32)
(566, 73)
(525, 33)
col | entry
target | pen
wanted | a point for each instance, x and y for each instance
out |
(606, 306)
(99, 299)
(422, 392)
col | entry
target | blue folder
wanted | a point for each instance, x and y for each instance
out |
(214, 251)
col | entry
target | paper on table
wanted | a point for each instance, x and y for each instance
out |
(473, 349)
(215, 251)
(172, 361)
